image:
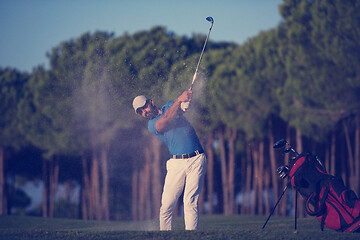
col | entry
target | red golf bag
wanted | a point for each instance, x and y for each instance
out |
(326, 196)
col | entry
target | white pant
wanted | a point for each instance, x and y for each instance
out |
(188, 173)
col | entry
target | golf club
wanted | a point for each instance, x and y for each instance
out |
(210, 19)
(185, 105)
(283, 173)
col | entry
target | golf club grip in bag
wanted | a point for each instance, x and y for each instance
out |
(326, 196)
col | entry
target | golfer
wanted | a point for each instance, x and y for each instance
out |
(187, 164)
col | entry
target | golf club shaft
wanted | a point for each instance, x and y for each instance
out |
(185, 105)
(201, 55)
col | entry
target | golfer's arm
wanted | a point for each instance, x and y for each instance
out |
(169, 115)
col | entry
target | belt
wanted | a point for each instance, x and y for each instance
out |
(188, 155)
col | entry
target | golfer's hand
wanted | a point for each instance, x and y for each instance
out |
(185, 96)
(185, 99)
(184, 106)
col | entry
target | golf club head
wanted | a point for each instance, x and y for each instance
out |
(279, 144)
(290, 149)
(283, 171)
(210, 19)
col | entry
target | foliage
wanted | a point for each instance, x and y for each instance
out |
(11, 91)
(322, 64)
(258, 73)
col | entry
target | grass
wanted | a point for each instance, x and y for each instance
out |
(210, 227)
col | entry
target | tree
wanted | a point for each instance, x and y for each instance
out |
(323, 53)
(80, 68)
(44, 125)
(11, 91)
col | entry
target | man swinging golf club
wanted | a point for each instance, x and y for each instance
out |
(187, 164)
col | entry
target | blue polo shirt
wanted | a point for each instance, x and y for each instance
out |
(180, 138)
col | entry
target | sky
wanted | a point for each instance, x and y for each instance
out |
(31, 28)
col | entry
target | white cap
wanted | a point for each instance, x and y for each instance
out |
(139, 102)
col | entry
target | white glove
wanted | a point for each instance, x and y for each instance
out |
(184, 106)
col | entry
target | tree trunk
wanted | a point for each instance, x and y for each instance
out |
(242, 180)
(267, 189)
(95, 181)
(327, 157)
(142, 189)
(333, 153)
(224, 178)
(273, 165)
(3, 184)
(232, 134)
(299, 149)
(260, 177)
(86, 192)
(54, 179)
(343, 163)
(145, 185)
(95, 189)
(249, 169)
(202, 201)
(202, 193)
(135, 193)
(351, 164)
(105, 182)
(147, 182)
(255, 158)
(255, 202)
(357, 154)
(45, 196)
(210, 170)
(156, 177)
